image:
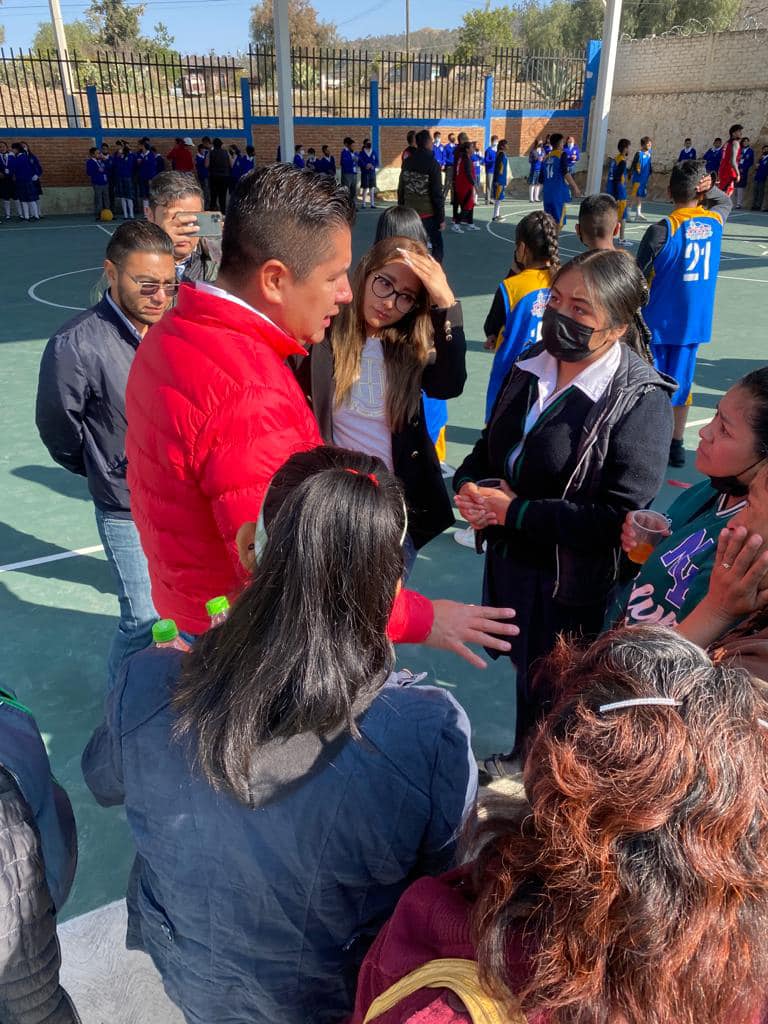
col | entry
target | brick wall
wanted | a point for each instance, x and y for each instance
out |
(393, 140)
(674, 88)
(266, 138)
(522, 132)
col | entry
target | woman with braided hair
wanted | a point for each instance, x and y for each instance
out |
(513, 324)
(575, 441)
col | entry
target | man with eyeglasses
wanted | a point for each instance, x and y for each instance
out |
(81, 409)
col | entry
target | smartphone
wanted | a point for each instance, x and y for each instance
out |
(210, 224)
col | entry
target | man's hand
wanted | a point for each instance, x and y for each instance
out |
(457, 625)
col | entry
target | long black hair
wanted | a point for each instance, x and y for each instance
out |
(538, 233)
(616, 285)
(305, 645)
(402, 222)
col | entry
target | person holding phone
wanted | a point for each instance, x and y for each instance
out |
(175, 201)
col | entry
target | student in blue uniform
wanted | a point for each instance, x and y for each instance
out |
(571, 150)
(368, 161)
(349, 169)
(298, 157)
(536, 162)
(641, 170)
(96, 170)
(311, 159)
(500, 176)
(438, 149)
(249, 161)
(36, 182)
(746, 161)
(7, 189)
(24, 177)
(146, 166)
(326, 164)
(449, 163)
(478, 165)
(617, 186)
(558, 181)
(489, 159)
(680, 258)
(761, 174)
(513, 323)
(688, 152)
(123, 163)
(714, 155)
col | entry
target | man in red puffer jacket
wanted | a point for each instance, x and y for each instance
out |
(213, 411)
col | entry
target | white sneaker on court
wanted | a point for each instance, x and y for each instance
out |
(472, 227)
(456, 229)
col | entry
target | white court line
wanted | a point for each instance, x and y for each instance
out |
(105, 230)
(32, 290)
(698, 423)
(50, 558)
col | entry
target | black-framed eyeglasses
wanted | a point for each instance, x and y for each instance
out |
(149, 288)
(383, 288)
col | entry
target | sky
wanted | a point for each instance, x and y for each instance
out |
(222, 25)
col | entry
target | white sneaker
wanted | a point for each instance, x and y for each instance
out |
(456, 229)
(472, 227)
(641, 217)
(465, 537)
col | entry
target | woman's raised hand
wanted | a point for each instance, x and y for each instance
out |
(432, 276)
(738, 585)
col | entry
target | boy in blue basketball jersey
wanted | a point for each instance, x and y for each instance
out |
(641, 170)
(558, 181)
(680, 258)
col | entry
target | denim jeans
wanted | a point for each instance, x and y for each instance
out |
(129, 567)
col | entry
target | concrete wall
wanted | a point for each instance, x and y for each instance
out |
(697, 87)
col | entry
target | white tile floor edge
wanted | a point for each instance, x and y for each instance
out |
(107, 983)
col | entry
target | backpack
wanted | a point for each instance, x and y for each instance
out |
(458, 976)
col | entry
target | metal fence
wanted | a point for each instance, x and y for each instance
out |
(525, 80)
(167, 91)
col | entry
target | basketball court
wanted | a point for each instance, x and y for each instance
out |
(56, 592)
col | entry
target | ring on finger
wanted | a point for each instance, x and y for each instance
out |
(726, 565)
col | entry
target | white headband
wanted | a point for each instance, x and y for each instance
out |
(636, 702)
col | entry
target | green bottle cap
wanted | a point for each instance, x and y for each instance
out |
(216, 606)
(164, 630)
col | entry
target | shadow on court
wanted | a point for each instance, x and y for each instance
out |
(720, 375)
(55, 479)
(17, 546)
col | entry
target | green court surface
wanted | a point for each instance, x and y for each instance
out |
(59, 613)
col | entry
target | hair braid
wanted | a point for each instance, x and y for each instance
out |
(639, 336)
(551, 237)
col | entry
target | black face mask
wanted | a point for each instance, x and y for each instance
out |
(732, 485)
(565, 339)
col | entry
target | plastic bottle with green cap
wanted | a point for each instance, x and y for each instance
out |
(165, 633)
(218, 609)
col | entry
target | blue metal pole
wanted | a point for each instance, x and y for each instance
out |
(95, 113)
(594, 49)
(488, 109)
(375, 120)
(245, 101)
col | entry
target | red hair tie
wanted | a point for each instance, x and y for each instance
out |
(371, 476)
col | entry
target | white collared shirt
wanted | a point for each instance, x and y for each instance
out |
(131, 327)
(593, 381)
(220, 293)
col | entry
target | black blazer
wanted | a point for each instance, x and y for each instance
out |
(413, 454)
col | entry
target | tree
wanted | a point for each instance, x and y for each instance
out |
(485, 31)
(306, 27)
(116, 24)
(81, 39)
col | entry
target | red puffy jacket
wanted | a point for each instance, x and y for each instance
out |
(213, 412)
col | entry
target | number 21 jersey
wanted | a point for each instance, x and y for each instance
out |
(682, 286)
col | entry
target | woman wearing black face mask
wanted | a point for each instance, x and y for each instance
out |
(732, 450)
(580, 436)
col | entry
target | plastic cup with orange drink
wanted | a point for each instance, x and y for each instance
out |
(650, 528)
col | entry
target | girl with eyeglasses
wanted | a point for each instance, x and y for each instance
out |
(401, 334)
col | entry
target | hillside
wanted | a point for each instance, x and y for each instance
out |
(434, 40)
